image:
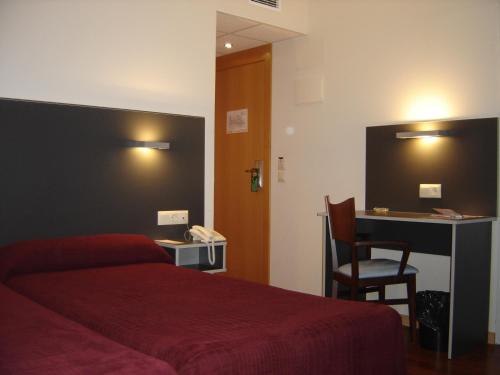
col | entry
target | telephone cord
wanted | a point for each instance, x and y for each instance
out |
(211, 251)
(187, 235)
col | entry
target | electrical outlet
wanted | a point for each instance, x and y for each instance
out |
(173, 217)
(430, 191)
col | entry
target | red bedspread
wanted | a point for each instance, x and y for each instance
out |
(37, 341)
(206, 324)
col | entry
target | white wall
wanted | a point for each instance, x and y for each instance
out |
(382, 62)
(156, 55)
(150, 55)
(291, 16)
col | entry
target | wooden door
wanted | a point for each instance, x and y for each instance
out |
(243, 81)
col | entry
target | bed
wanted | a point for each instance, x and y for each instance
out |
(35, 340)
(125, 288)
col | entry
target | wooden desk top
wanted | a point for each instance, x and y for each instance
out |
(417, 217)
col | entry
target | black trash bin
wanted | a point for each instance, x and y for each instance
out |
(433, 314)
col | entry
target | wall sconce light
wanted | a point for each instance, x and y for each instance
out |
(148, 144)
(422, 134)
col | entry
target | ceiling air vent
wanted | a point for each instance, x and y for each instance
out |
(271, 4)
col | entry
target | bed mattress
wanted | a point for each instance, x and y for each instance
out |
(37, 341)
(209, 324)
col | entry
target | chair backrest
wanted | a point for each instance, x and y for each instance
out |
(342, 220)
(339, 231)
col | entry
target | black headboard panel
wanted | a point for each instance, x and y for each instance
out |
(66, 170)
(464, 163)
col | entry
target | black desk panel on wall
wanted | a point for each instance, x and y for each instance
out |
(67, 170)
(464, 162)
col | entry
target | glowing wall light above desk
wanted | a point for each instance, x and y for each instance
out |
(422, 134)
(149, 144)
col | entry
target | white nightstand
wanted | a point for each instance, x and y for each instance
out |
(194, 254)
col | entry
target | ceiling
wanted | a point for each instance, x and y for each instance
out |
(244, 34)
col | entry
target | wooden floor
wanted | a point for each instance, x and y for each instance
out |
(483, 361)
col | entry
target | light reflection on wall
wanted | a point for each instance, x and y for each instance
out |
(429, 140)
(144, 152)
(145, 133)
(144, 159)
(426, 107)
(426, 150)
(145, 164)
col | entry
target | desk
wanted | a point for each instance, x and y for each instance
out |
(468, 244)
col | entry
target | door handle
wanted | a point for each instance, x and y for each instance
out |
(256, 176)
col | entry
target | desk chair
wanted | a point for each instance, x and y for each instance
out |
(370, 275)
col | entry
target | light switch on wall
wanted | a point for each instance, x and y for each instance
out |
(173, 217)
(281, 169)
(430, 191)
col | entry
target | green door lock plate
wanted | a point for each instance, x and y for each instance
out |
(256, 178)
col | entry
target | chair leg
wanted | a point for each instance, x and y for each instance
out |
(354, 292)
(335, 289)
(381, 293)
(411, 288)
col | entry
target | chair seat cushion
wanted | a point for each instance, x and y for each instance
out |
(377, 268)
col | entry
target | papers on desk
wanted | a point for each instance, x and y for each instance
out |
(172, 242)
(446, 213)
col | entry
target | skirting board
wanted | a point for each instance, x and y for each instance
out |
(406, 323)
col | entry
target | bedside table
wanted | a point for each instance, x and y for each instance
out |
(194, 254)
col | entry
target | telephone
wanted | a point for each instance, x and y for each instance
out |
(209, 237)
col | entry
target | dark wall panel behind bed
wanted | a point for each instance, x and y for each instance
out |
(66, 170)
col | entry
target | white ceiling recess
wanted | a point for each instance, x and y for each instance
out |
(244, 34)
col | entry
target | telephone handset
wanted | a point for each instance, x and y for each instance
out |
(209, 237)
(205, 234)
